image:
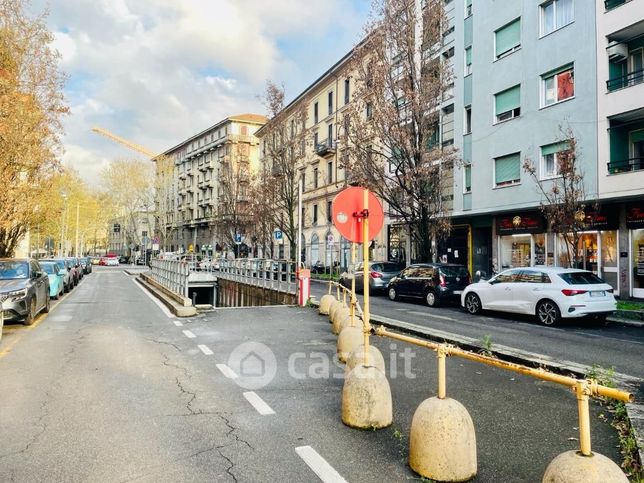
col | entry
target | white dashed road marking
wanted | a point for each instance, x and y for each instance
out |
(258, 403)
(177, 323)
(205, 349)
(226, 371)
(189, 334)
(319, 465)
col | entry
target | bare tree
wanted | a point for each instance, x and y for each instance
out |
(165, 195)
(391, 128)
(285, 144)
(564, 197)
(31, 107)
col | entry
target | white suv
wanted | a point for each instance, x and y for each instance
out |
(550, 293)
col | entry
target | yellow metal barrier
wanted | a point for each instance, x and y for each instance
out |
(583, 389)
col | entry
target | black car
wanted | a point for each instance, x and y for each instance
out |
(24, 289)
(432, 282)
(124, 259)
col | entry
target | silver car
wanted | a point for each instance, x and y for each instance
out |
(24, 289)
(380, 274)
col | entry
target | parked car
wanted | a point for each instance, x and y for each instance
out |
(433, 282)
(69, 281)
(56, 273)
(109, 261)
(87, 265)
(380, 274)
(549, 293)
(24, 289)
(78, 272)
(124, 259)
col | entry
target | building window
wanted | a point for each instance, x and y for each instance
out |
(468, 8)
(468, 120)
(468, 60)
(315, 140)
(467, 178)
(447, 125)
(551, 159)
(329, 172)
(303, 178)
(507, 104)
(330, 134)
(303, 214)
(315, 113)
(244, 130)
(507, 39)
(557, 86)
(329, 211)
(347, 90)
(369, 110)
(507, 170)
(555, 15)
(330, 103)
(315, 215)
(315, 178)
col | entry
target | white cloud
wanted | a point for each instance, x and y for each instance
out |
(158, 71)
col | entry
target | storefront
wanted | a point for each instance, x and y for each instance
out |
(522, 241)
(635, 226)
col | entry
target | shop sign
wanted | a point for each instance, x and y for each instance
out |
(601, 220)
(520, 223)
(635, 216)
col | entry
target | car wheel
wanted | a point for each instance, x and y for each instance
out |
(472, 303)
(47, 306)
(430, 298)
(66, 288)
(31, 312)
(599, 320)
(57, 296)
(548, 313)
(392, 293)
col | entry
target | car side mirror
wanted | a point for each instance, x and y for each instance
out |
(61, 272)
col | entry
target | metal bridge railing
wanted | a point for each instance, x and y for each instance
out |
(276, 275)
(172, 274)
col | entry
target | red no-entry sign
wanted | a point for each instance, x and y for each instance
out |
(347, 210)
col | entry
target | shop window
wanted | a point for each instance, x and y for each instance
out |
(638, 262)
(515, 251)
(557, 86)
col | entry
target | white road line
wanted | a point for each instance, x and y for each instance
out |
(177, 323)
(402, 310)
(189, 334)
(258, 403)
(61, 318)
(226, 371)
(163, 308)
(319, 465)
(205, 349)
(429, 314)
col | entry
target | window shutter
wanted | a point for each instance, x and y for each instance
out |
(555, 148)
(468, 56)
(507, 100)
(637, 136)
(468, 3)
(468, 176)
(508, 37)
(507, 168)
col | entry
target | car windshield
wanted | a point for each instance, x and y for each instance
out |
(49, 268)
(454, 271)
(581, 278)
(387, 267)
(10, 270)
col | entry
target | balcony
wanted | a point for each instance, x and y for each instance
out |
(626, 165)
(611, 4)
(626, 138)
(325, 148)
(628, 80)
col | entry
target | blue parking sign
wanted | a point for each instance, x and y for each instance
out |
(278, 235)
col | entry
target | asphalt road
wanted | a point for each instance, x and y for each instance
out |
(109, 387)
(613, 345)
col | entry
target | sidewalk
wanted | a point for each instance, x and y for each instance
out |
(521, 423)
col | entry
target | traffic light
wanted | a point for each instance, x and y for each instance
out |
(117, 228)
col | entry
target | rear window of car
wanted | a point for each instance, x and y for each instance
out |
(581, 278)
(388, 267)
(49, 268)
(454, 271)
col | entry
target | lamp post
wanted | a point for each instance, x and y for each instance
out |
(63, 195)
(77, 221)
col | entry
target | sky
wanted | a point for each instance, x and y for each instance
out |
(158, 71)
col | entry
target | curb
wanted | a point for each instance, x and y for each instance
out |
(177, 309)
(634, 411)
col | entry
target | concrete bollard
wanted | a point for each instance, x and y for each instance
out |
(573, 467)
(366, 399)
(325, 304)
(338, 316)
(357, 357)
(348, 340)
(442, 443)
(334, 308)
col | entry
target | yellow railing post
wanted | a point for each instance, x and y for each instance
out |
(353, 284)
(442, 383)
(582, 391)
(365, 275)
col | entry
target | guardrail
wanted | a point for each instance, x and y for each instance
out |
(172, 274)
(276, 275)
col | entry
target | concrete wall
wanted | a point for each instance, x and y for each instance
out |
(234, 294)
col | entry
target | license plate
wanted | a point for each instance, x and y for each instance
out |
(458, 292)
(599, 293)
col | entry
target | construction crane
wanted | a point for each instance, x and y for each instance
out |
(125, 142)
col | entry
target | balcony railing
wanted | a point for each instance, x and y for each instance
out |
(325, 148)
(630, 79)
(625, 165)
(611, 4)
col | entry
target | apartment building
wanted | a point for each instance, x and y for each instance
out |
(129, 234)
(620, 142)
(209, 187)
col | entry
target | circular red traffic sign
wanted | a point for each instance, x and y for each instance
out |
(347, 210)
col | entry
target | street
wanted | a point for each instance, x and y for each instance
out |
(109, 387)
(608, 346)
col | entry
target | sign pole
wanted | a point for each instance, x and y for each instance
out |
(365, 274)
(353, 284)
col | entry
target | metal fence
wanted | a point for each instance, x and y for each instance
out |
(172, 274)
(271, 274)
